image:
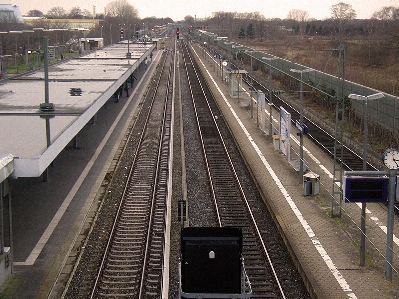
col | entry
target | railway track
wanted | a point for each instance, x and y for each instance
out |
(123, 255)
(264, 267)
(351, 159)
(132, 264)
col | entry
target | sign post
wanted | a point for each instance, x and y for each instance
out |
(374, 186)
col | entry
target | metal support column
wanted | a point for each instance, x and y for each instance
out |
(336, 209)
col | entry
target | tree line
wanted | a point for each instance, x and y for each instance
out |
(342, 22)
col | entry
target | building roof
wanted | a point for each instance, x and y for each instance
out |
(10, 12)
(34, 138)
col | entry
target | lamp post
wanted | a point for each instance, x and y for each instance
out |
(27, 48)
(101, 34)
(301, 121)
(1, 55)
(128, 55)
(270, 93)
(357, 97)
(110, 32)
(1, 44)
(230, 44)
(16, 32)
(252, 86)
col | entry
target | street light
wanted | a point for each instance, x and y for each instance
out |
(38, 44)
(270, 93)
(357, 97)
(1, 45)
(28, 47)
(16, 47)
(128, 54)
(252, 86)
(110, 32)
(230, 44)
(301, 122)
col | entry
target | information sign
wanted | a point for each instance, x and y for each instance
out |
(366, 189)
(301, 127)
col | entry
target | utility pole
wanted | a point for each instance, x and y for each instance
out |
(336, 203)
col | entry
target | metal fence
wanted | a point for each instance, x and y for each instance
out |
(384, 111)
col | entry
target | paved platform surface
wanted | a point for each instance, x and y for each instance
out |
(325, 247)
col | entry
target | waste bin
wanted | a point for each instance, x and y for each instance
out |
(311, 184)
(276, 142)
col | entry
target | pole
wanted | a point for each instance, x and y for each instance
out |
(15, 55)
(110, 32)
(221, 71)
(365, 144)
(128, 41)
(231, 56)
(363, 216)
(365, 116)
(391, 202)
(252, 87)
(270, 95)
(46, 90)
(301, 133)
(238, 87)
(270, 102)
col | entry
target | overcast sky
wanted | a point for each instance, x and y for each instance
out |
(178, 9)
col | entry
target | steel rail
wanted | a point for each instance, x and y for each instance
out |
(231, 169)
(142, 143)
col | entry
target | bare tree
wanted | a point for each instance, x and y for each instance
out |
(122, 10)
(387, 13)
(75, 13)
(57, 13)
(88, 14)
(298, 15)
(35, 13)
(343, 11)
(189, 19)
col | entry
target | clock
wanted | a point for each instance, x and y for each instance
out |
(390, 158)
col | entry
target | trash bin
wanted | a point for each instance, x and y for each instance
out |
(276, 142)
(311, 184)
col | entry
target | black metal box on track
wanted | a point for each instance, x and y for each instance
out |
(211, 260)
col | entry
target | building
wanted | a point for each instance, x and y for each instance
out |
(10, 13)
(43, 22)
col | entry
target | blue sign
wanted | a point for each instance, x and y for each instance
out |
(301, 127)
(366, 189)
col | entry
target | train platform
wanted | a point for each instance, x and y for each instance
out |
(49, 216)
(47, 111)
(325, 248)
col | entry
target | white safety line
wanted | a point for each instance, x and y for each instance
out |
(333, 269)
(373, 218)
